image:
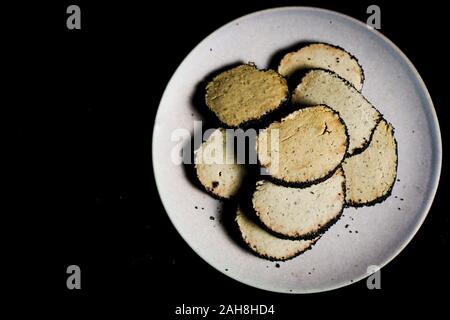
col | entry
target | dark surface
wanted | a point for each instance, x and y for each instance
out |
(117, 67)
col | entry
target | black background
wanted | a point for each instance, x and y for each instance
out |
(102, 87)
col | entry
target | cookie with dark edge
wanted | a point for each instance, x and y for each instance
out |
(265, 244)
(319, 86)
(217, 168)
(325, 56)
(303, 148)
(244, 94)
(371, 175)
(300, 213)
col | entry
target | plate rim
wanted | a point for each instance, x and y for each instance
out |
(436, 164)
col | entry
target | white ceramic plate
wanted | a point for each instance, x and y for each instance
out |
(392, 84)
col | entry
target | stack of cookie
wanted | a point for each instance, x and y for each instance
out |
(322, 146)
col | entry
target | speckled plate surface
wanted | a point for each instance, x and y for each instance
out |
(374, 235)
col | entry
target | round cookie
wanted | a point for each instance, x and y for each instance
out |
(244, 93)
(267, 245)
(371, 174)
(300, 213)
(303, 148)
